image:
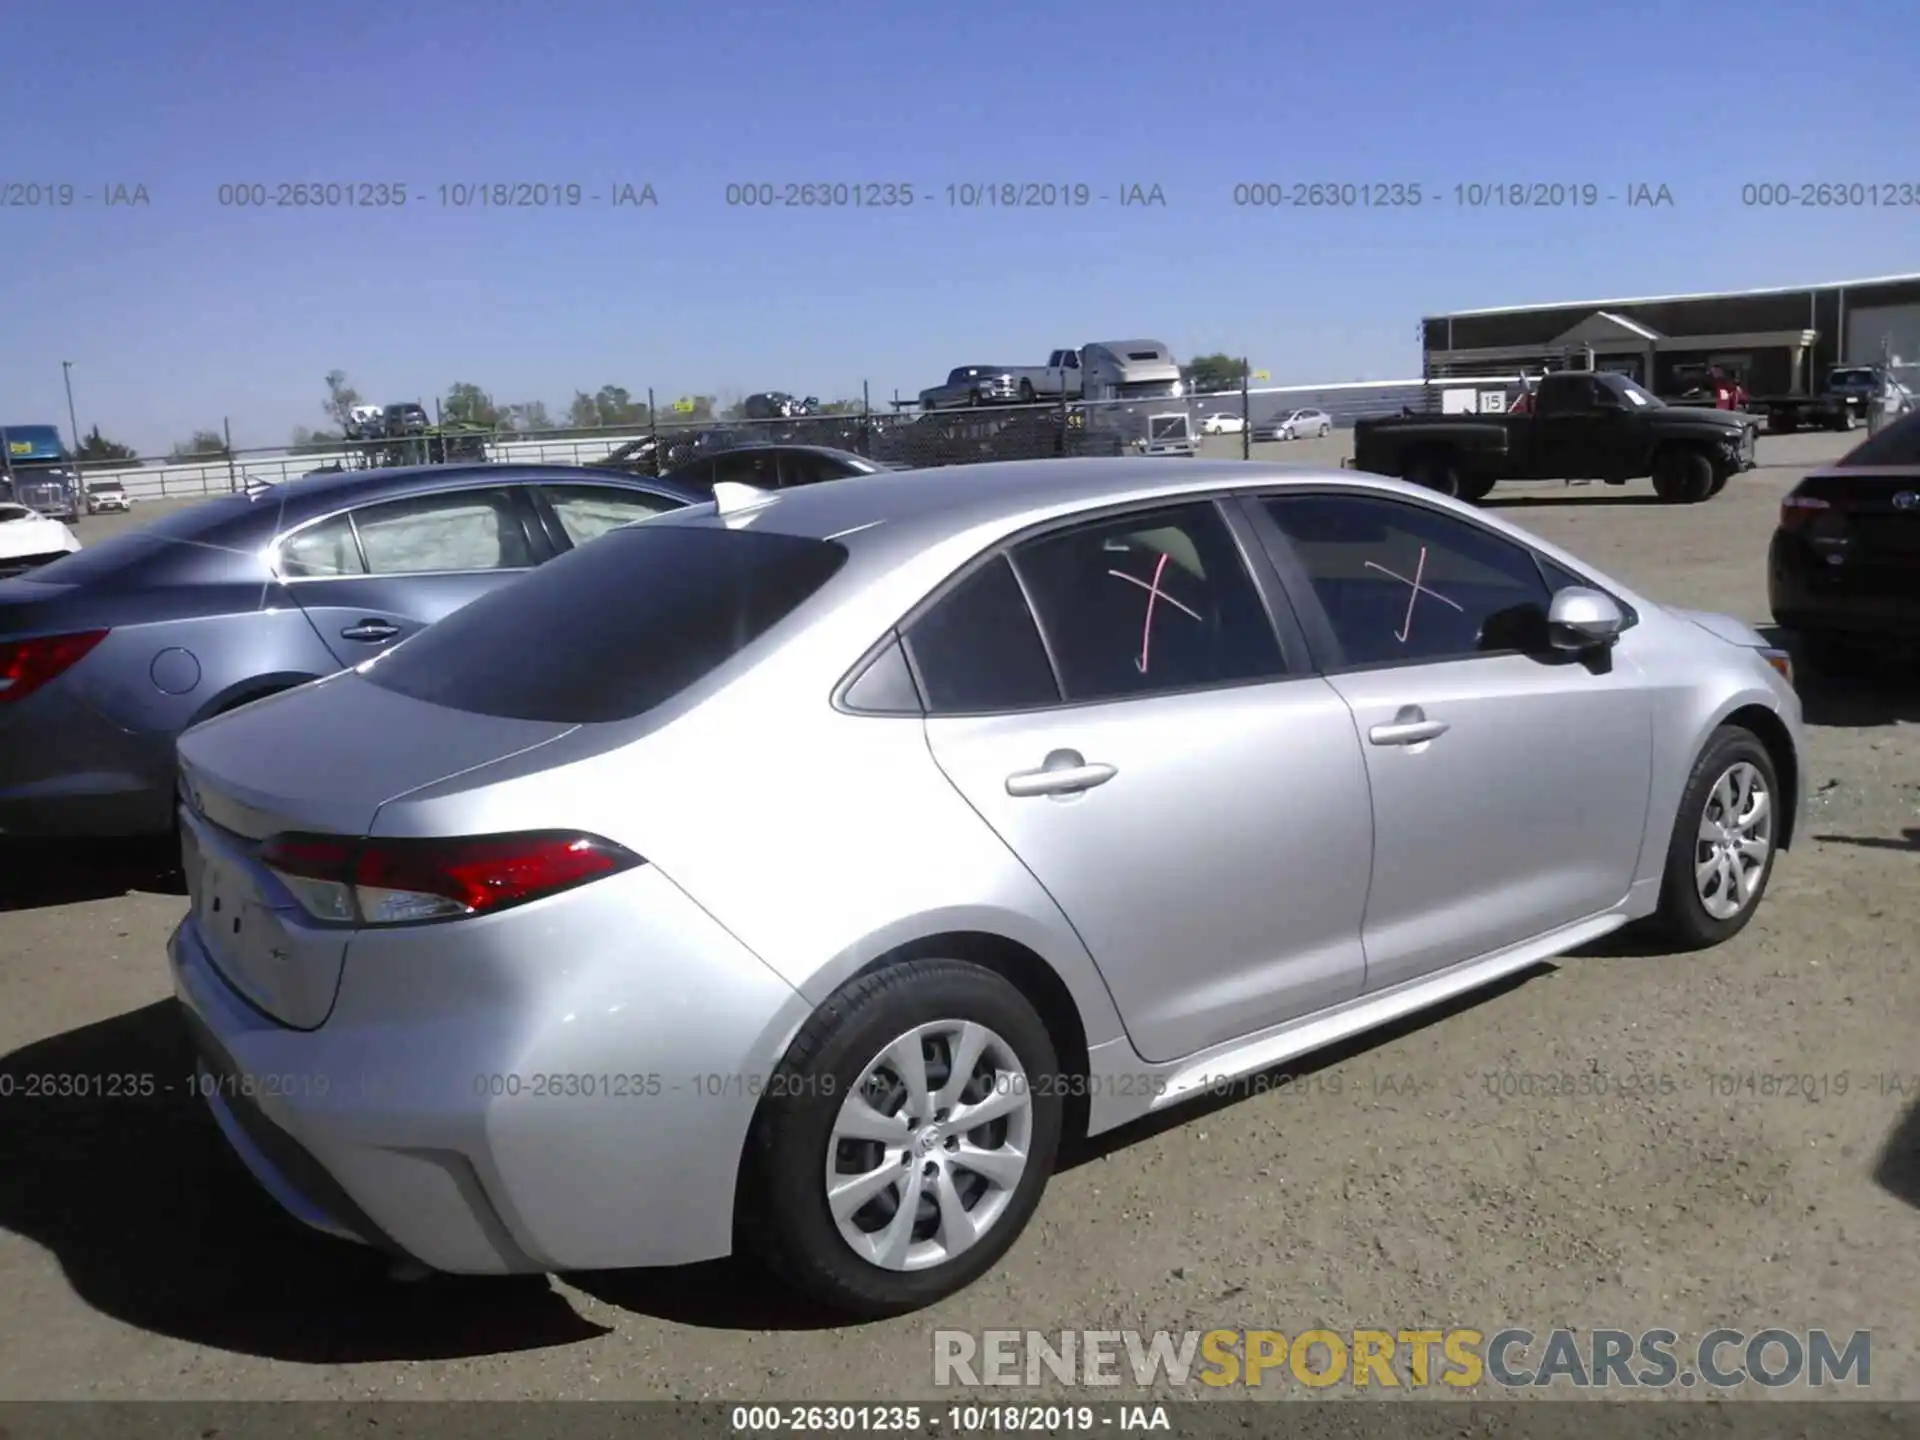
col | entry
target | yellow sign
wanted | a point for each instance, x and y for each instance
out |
(1261, 375)
(683, 405)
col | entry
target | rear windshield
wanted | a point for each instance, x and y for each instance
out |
(209, 524)
(1898, 444)
(610, 630)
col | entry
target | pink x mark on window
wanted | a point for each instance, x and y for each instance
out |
(1415, 590)
(1154, 594)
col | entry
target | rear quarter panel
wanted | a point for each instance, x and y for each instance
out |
(822, 842)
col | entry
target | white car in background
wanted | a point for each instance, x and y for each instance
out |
(1297, 425)
(29, 539)
(1223, 423)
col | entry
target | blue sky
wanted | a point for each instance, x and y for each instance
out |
(182, 311)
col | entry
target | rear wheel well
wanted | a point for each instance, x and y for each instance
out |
(1771, 732)
(1034, 978)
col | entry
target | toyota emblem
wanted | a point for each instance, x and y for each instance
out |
(1906, 499)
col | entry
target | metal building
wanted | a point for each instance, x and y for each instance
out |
(1778, 341)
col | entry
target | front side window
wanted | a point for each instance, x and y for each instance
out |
(1402, 584)
(1149, 603)
(461, 530)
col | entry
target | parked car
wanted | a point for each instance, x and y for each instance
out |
(971, 385)
(775, 467)
(1296, 425)
(29, 540)
(1583, 425)
(104, 496)
(1844, 402)
(110, 653)
(1039, 728)
(1843, 569)
(1223, 422)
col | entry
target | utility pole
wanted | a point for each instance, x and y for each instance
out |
(66, 372)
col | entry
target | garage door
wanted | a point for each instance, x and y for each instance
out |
(1898, 326)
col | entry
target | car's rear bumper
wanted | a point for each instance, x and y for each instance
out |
(1800, 602)
(567, 1086)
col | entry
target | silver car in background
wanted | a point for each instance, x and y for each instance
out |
(821, 858)
(1297, 425)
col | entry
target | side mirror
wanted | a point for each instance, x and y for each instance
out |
(1580, 619)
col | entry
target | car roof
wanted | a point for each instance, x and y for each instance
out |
(345, 487)
(899, 514)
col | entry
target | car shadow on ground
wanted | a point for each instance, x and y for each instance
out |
(35, 874)
(1898, 1169)
(1878, 691)
(131, 1187)
(1908, 840)
(1571, 495)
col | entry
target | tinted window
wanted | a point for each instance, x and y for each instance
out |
(978, 649)
(586, 512)
(1898, 444)
(747, 467)
(324, 549)
(462, 530)
(610, 630)
(1146, 603)
(1402, 583)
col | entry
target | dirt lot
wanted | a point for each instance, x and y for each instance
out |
(138, 1261)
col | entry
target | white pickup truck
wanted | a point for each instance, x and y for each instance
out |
(1058, 379)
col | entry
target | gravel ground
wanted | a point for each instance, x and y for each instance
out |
(1387, 1187)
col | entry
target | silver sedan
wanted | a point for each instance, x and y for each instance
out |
(801, 868)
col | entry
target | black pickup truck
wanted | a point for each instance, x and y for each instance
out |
(1582, 425)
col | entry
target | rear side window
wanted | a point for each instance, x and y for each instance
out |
(612, 629)
(978, 650)
(1898, 444)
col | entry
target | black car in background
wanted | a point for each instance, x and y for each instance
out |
(1843, 570)
(774, 467)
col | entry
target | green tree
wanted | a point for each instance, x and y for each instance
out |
(205, 445)
(341, 398)
(99, 452)
(468, 404)
(843, 407)
(1210, 374)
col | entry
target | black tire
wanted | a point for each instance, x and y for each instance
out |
(785, 1218)
(1683, 477)
(1325, 430)
(1026, 392)
(1720, 478)
(1434, 471)
(1476, 488)
(1682, 918)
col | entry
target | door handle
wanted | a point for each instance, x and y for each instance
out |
(1063, 773)
(1410, 727)
(370, 631)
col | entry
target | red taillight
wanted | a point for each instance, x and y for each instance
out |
(1798, 511)
(26, 665)
(394, 882)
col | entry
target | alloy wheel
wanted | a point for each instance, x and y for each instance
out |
(1734, 841)
(929, 1145)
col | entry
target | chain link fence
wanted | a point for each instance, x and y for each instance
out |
(1250, 422)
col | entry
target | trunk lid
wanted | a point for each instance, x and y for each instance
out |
(1873, 525)
(322, 758)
